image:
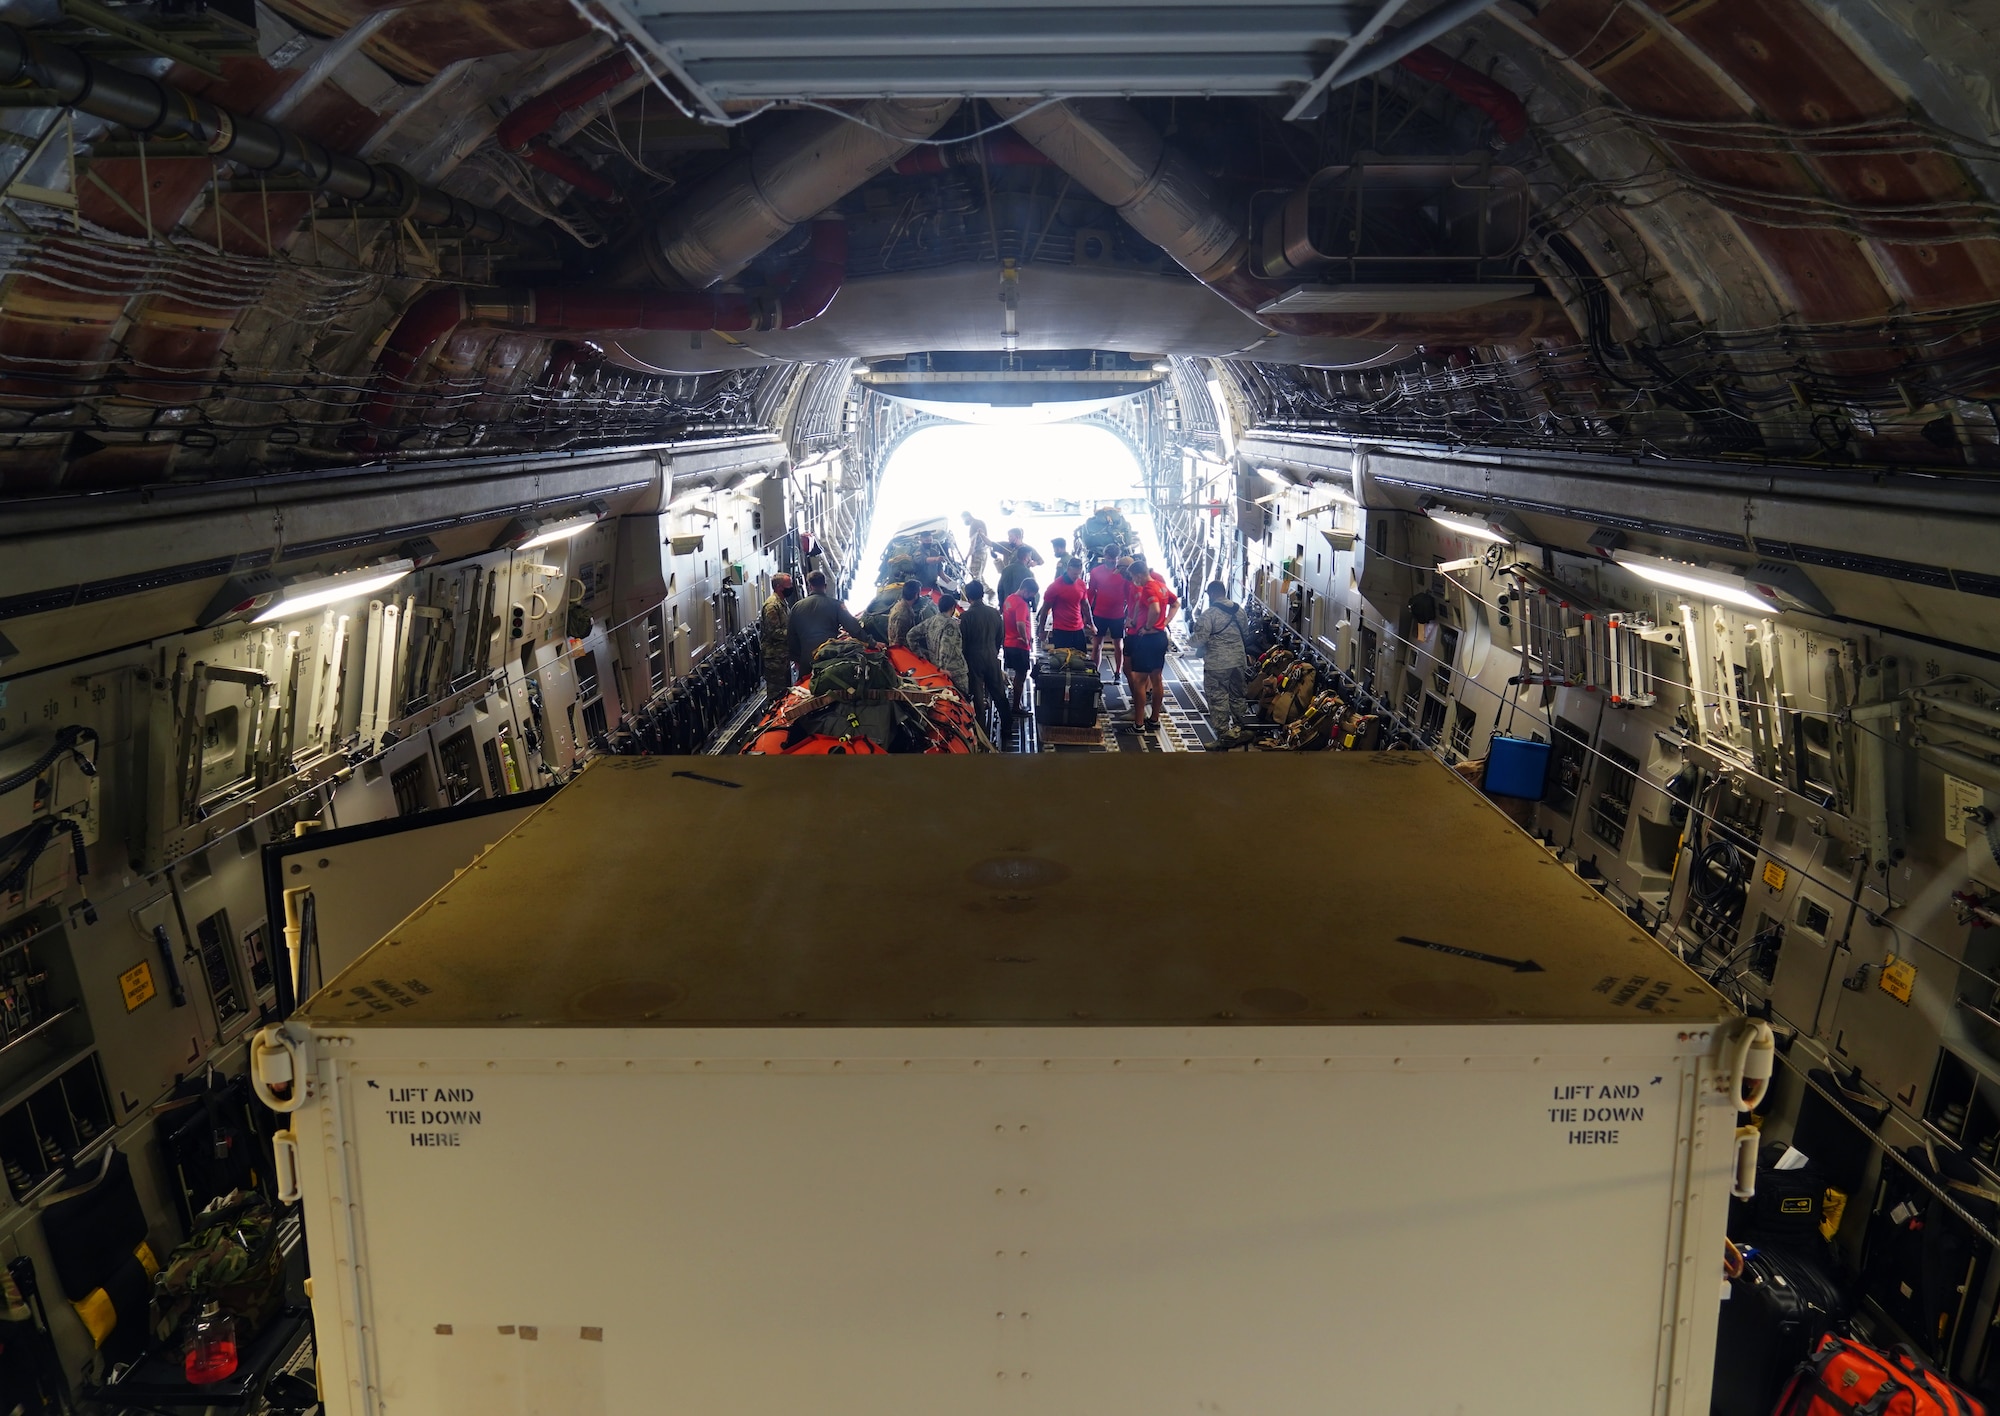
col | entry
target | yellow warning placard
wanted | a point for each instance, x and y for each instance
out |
(136, 983)
(1774, 875)
(1899, 977)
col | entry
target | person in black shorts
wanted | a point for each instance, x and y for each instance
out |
(1149, 613)
(1017, 619)
(1064, 606)
(1110, 592)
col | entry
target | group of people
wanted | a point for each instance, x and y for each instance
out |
(1121, 602)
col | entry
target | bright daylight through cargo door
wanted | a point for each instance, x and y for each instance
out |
(1044, 479)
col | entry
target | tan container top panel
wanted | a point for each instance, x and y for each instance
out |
(1015, 889)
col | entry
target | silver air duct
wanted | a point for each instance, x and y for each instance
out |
(792, 175)
(1117, 155)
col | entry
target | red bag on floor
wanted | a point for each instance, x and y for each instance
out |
(1844, 1378)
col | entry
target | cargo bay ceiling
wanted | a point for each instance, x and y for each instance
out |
(242, 237)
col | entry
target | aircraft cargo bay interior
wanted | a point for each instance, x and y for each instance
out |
(1432, 569)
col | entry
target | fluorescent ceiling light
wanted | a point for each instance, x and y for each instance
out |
(550, 532)
(1696, 580)
(1163, 367)
(1463, 525)
(311, 594)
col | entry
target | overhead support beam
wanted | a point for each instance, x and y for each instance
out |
(1391, 49)
(827, 49)
(1354, 46)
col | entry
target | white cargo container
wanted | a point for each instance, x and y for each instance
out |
(1102, 1085)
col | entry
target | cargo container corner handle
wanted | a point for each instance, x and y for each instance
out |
(1744, 1184)
(278, 1071)
(1751, 1057)
(285, 1165)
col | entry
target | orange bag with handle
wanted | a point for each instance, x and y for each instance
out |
(1847, 1378)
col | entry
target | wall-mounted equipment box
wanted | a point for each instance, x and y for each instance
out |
(733, 1081)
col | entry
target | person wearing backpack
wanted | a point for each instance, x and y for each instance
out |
(1221, 640)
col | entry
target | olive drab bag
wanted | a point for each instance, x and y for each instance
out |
(1070, 661)
(843, 665)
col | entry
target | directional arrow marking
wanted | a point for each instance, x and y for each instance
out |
(1517, 965)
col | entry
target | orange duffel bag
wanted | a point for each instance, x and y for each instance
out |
(1846, 1378)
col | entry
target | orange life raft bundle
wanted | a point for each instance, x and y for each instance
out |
(921, 712)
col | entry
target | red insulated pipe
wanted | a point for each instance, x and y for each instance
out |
(811, 290)
(569, 170)
(539, 114)
(520, 132)
(426, 321)
(1509, 115)
(433, 317)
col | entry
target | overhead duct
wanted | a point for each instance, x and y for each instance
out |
(1115, 153)
(792, 174)
(564, 310)
(153, 109)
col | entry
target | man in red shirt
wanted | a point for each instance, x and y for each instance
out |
(1110, 592)
(1017, 647)
(1064, 603)
(1151, 610)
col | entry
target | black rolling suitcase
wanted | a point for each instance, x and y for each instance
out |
(1777, 1311)
(1066, 699)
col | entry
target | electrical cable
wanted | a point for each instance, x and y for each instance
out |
(68, 739)
(36, 840)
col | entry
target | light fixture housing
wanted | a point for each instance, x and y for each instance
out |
(1464, 524)
(240, 595)
(304, 595)
(1728, 586)
(525, 533)
(1783, 581)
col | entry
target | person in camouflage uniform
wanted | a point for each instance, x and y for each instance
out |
(1218, 640)
(978, 547)
(912, 605)
(774, 631)
(937, 638)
